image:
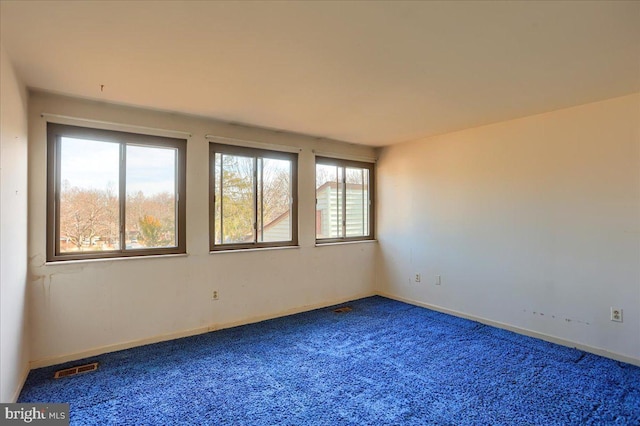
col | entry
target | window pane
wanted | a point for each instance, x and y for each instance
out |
(329, 201)
(343, 200)
(357, 202)
(111, 194)
(274, 200)
(236, 204)
(217, 218)
(89, 182)
(253, 199)
(151, 197)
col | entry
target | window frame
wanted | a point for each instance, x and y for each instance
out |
(55, 133)
(344, 164)
(255, 153)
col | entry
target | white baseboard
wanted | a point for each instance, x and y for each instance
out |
(186, 333)
(219, 326)
(553, 339)
(23, 379)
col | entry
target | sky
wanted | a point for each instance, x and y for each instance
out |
(94, 165)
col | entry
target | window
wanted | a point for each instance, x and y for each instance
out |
(253, 198)
(344, 200)
(113, 194)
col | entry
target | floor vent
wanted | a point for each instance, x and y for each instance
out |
(75, 370)
(342, 309)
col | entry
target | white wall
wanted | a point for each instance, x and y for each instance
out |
(533, 223)
(91, 307)
(14, 356)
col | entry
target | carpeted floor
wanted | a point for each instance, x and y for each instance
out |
(383, 363)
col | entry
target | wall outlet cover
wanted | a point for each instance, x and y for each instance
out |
(616, 314)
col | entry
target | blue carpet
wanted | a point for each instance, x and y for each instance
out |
(383, 363)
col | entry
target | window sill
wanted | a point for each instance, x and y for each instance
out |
(244, 250)
(111, 259)
(341, 243)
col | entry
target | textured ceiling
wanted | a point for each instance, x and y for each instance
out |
(372, 73)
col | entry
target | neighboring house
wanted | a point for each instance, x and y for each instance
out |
(278, 229)
(329, 214)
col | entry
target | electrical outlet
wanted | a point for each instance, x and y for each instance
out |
(214, 295)
(616, 314)
(417, 278)
(438, 279)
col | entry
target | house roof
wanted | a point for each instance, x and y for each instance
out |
(334, 185)
(277, 220)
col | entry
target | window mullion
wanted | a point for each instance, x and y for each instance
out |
(364, 210)
(338, 210)
(255, 200)
(57, 190)
(344, 202)
(221, 198)
(122, 196)
(262, 199)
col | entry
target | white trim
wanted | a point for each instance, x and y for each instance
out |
(110, 125)
(244, 250)
(341, 243)
(200, 330)
(252, 144)
(546, 337)
(337, 156)
(45, 362)
(109, 259)
(25, 374)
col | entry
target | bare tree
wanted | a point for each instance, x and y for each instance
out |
(90, 218)
(87, 215)
(235, 199)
